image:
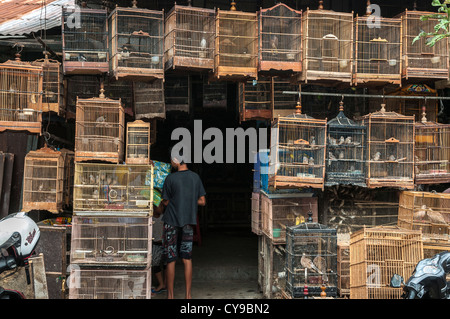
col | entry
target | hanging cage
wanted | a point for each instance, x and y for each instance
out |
(343, 269)
(177, 93)
(79, 86)
(283, 103)
(149, 102)
(138, 142)
(272, 269)
(214, 95)
(255, 99)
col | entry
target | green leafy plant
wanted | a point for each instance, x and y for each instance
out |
(441, 29)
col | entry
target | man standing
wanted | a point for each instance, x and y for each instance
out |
(182, 193)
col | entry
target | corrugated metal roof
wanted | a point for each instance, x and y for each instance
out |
(19, 17)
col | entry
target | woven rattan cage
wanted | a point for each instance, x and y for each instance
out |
(138, 142)
(255, 99)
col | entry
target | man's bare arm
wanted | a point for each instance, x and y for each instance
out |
(201, 201)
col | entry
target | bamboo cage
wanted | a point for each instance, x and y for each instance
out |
(138, 142)
(88, 283)
(420, 60)
(327, 46)
(149, 100)
(52, 85)
(428, 212)
(345, 160)
(105, 241)
(85, 44)
(376, 254)
(99, 130)
(297, 152)
(283, 104)
(256, 213)
(311, 260)
(280, 31)
(378, 51)
(272, 268)
(136, 43)
(236, 45)
(20, 96)
(123, 90)
(105, 189)
(343, 269)
(255, 99)
(80, 86)
(177, 93)
(214, 95)
(189, 38)
(279, 211)
(432, 152)
(390, 149)
(47, 180)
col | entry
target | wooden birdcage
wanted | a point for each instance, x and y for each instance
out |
(99, 130)
(432, 152)
(85, 41)
(343, 269)
(279, 211)
(52, 85)
(106, 189)
(149, 102)
(297, 152)
(177, 93)
(123, 90)
(138, 142)
(283, 104)
(428, 212)
(79, 86)
(86, 283)
(378, 51)
(255, 99)
(376, 254)
(390, 149)
(236, 45)
(327, 48)
(20, 96)
(345, 159)
(420, 60)
(256, 213)
(136, 43)
(214, 95)
(47, 180)
(105, 241)
(189, 39)
(272, 268)
(311, 259)
(280, 31)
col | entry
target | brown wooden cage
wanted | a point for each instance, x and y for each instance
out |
(428, 212)
(99, 130)
(376, 254)
(272, 268)
(255, 99)
(280, 31)
(149, 102)
(189, 39)
(214, 95)
(256, 213)
(420, 60)
(177, 93)
(343, 269)
(138, 142)
(378, 51)
(390, 149)
(47, 180)
(85, 41)
(79, 86)
(20, 96)
(283, 103)
(123, 90)
(236, 45)
(136, 43)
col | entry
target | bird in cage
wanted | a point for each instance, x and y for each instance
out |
(312, 141)
(377, 156)
(203, 43)
(332, 141)
(391, 157)
(331, 156)
(305, 160)
(341, 140)
(274, 44)
(82, 58)
(311, 160)
(348, 140)
(308, 263)
(341, 155)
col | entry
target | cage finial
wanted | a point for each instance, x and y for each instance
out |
(233, 5)
(323, 294)
(298, 108)
(424, 117)
(415, 6)
(189, 3)
(368, 10)
(321, 5)
(383, 108)
(134, 3)
(102, 91)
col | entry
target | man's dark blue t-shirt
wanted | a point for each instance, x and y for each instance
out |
(182, 189)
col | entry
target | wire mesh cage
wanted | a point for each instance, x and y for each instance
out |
(422, 61)
(297, 152)
(20, 96)
(376, 254)
(255, 99)
(85, 41)
(327, 46)
(280, 42)
(272, 269)
(311, 260)
(343, 269)
(52, 85)
(390, 149)
(138, 142)
(177, 93)
(136, 43)
(105, 241)
(123, 90)
(214, 95)
(283, 103)
(99, 130)
(79, 86)
(345, 160)
(149, 101)
(278, 211)
(189, 39)
(47, 180)
(236, 45)
(377, 51)
(428, 212)
(109, 283)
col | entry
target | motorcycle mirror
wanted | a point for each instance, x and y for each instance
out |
(396, 281)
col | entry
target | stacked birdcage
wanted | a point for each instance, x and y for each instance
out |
(311, 260)
(189, 38)
(214, 95)
(177, 93)
(390, 149)
(255, 99)
(343, 269)
(149, 100)
(271, 268)
(345, 161)
(256, 213)
(376, 254)
(85, 41)
(138, 141)
(79, 86)
(123, 90)
(136, 43)
(280, 32)
(284, 103)
(20, 96)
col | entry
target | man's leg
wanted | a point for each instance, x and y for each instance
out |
(170, 254)
(170, 278)
(186, 255)
(188, 276)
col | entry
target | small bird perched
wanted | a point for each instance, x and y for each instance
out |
(100, 119)
(341, 155)
(377, 156)
(341, 140)
(274, 44)
(348, 140)
(331, 156)
(391, 157)
(307, 263)
(203, 43)
(312, 141)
